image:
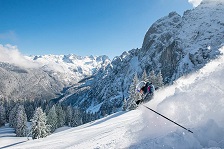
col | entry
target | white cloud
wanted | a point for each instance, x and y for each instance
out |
(195, 3)
(10, 54)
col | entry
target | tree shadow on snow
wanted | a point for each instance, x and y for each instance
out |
(12, 144)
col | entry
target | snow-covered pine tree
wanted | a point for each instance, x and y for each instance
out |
(133, 95)
(39, 128)
(29, 111)
(12, 116)
(159, 80)
(2, 115)
(61, 116)
(69, 114)
(7, 106)
(152, 77)
(85, 117)
(77, 118)
(124, 107)
(91, 116)
(96, 116)
(48, 107)
(145, 76)
(21, 120)
(52, 118)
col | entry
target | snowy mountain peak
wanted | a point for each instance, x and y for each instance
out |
(72, 58)
(161, 29)
(47, 74)
(212, 2)
(71, 68)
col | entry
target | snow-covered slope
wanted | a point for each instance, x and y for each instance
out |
(195, 101)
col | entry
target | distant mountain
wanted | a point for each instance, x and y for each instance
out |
(22, 83)
(71, 68)
(51, 74)
(175, 45)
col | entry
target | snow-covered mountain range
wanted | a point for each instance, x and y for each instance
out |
(43, 77)
(71, 68)
(22, 83)
(175, 45)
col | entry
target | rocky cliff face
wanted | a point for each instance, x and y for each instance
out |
(177, 45)
(174, 45)
(160, 50)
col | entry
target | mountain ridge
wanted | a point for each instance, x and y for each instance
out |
(44, 77)
(175, 45)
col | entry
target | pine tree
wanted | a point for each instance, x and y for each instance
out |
(61, 116)
(159, 82)
(52, 118)
(77, 118)
(47, 109)
(69, 114)
(133, 95)
(84, 118)
(29, 111)
(124, 108)
(2, 115)
(152, 77)
(7, 106)
(145, 76)
(21, 127)
(39, 128)
(95, 115)
(12, 116)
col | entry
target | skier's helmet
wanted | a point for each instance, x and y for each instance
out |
(140, 85)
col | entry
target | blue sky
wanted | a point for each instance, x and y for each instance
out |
(81, 27)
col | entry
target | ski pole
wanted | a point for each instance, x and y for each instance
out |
(168, 119)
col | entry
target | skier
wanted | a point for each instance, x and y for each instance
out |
(146, 90)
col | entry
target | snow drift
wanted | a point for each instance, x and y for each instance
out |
(196, 101)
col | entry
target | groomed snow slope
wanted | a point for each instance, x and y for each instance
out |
(195, 101)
